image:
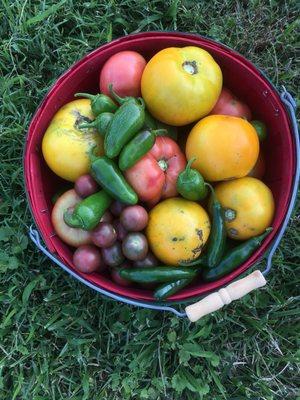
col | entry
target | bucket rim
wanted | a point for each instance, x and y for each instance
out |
(127, 38)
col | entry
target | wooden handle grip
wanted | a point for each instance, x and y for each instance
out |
(217, 300)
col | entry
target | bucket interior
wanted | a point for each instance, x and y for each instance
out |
(239, 75)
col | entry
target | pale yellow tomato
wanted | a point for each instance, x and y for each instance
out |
(65, 147)
(248, 207)
(177, 230)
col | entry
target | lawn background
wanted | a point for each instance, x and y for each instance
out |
(60, 340)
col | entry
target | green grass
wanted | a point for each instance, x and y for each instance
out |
(58, 339)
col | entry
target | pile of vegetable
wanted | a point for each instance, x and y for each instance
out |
(166, 167)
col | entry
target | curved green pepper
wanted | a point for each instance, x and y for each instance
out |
(217, 239)
(168, 289)
(108, 175)
(157, 274)
(150, 122)
(101, 123)
(190, 183)
(234, 258)
(87, 214)
(99, 103)
(138, 147)
(126, 123)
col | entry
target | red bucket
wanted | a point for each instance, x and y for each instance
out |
(239, 75)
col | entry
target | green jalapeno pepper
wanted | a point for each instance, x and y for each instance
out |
(99, 103)
(109, 176)
(168, 289)
(87, 214)
(234, 258)
(217, 239)
(127, 121)
(190, 183)
(138, 147)
(101, 123)
(152, 123)
(260, 128)
(157, 274)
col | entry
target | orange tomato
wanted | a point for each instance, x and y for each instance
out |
(181, 85)
(248, 207)
(225, 147)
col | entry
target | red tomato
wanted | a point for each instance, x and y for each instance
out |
(228, 104)
(124, 70)
(154, 176)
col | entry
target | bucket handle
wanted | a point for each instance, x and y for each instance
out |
(291, 106)
(35, 237)
(216, 300)
(256, 279)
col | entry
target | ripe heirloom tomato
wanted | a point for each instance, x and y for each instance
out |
(124, 70)
(65, 147)
(177, 230)
(228, 104)
(154, 176)
(73, 236)
(248, 207)
(225, 147)
(181, 85)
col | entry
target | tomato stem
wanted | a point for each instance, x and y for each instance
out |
(163, 164)
(159, 132)
(229, 214)
(86, 95)
(88, 125)
(119, 99)
(190, 162)
(72, 220)
(190, 67)
(92, 153)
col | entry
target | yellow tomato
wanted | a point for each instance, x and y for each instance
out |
(65, 147)
(225, 147)
(249, 207)
(181, 85)
(177, 230)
